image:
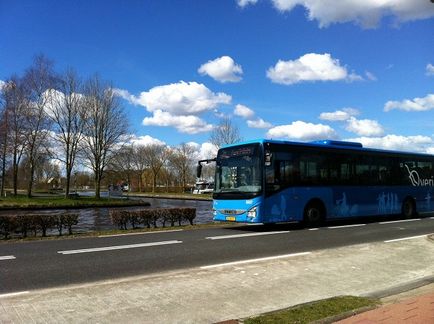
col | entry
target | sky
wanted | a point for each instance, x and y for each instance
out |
(300, 70)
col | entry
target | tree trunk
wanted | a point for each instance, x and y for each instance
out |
(15, 175)
(30, 183)
(97, 187)
(3, 169)
(140, 183)
(154, 183)
(68, 182)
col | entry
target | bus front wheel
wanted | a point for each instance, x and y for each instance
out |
(314, 214)
(408, 209)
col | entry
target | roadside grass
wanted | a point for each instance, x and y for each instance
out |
(23, 202)
(318, 311)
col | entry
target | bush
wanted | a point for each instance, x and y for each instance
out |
(148, 217)
(189, 214)
(66, 220)
(8, 225)
(25, 223)
(134, 218)
(44, 222)
(120, 218)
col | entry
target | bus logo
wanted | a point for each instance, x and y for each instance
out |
(416, 180)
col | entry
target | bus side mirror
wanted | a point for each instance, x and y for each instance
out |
(199, 170)
(268, 158)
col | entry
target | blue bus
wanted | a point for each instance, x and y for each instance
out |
(269, 181)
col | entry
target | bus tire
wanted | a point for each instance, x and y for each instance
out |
(314, 214)
(408, 209)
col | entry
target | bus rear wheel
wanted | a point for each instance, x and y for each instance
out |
(408, 209)
(313, 214)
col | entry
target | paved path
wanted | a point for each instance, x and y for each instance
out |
(416, 310)
(229, 291)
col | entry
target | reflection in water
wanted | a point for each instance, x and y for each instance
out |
(98, 219)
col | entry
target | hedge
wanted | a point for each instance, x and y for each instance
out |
(22, 225)
(152, 217)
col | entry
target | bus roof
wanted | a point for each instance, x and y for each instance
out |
(327, 143)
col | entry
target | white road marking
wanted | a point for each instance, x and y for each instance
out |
(7, 257)
(14, 294)
(346, 226)
(401, 221)
(222, 237)
(405, 238)
(118, 247)
(431, 218)
(313, 229)
(254, 260)
(141, 233)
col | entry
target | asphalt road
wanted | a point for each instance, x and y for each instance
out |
(26, 266)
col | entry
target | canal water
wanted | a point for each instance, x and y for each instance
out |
(98, 219)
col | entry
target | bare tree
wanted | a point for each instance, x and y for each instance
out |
(225, 133)
(68, 113)
(123, 163)
(4, 127)
(38, 81)
(14, 111)
(106, 124)
(139, 163)
(155, 158)
(182, 161)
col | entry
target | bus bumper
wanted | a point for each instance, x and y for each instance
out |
(245, 211)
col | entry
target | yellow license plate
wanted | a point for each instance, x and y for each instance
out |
(230, 218)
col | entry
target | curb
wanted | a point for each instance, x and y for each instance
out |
(402, 288)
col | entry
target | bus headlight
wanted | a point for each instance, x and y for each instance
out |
(252, 212)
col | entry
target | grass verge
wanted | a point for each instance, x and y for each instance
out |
(317, 311)
(23, 202)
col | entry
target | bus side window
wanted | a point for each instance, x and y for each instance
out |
(425, 169)
(309, 170)
(362, 173)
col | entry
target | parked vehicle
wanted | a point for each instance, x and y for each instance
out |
(203, 187)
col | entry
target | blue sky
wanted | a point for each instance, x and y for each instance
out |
(283, 69)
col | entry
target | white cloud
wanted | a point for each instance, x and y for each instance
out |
(364, 127)
(371, 76)
(339, 115)
(182, 98)
(2, 84)
(417, 104)
(178, 105)
(127, 96)
(184, 124)
(310, 67)
(203, 151)
(247, 113)
(429, 70)
(244, 3)
(222, 69)
(416, 143)
(145, 140)
(243, 111)
(258, 123)
(367, 13)
(302, 131)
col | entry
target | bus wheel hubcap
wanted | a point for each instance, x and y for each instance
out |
(313, 214)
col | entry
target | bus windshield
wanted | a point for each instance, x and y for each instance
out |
(238, 172)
